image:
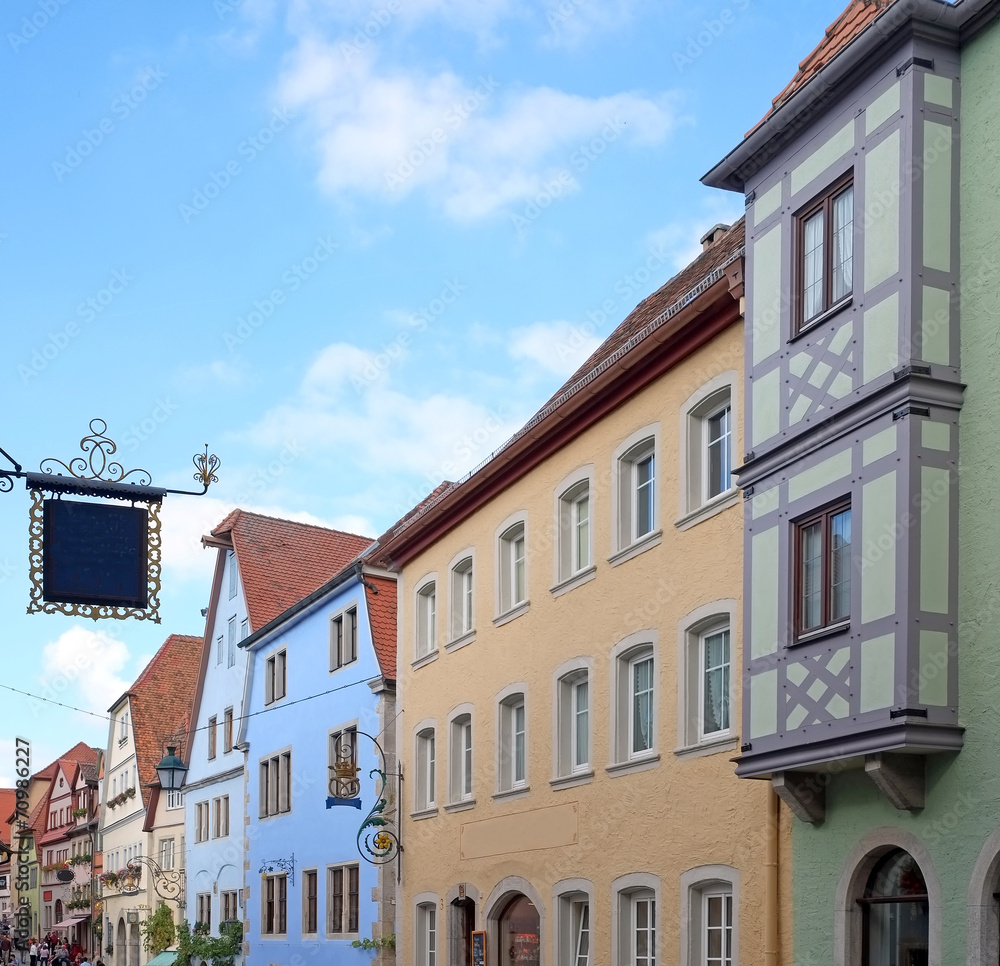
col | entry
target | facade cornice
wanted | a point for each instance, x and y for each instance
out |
(222, 776)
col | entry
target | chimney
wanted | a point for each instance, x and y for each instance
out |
(712, 236)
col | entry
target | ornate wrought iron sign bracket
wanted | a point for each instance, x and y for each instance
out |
(279, 865)
(167, 883)
(378, 835)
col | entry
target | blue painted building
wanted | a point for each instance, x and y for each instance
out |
(321, 685)
(263, 567)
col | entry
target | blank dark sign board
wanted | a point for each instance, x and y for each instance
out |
(95, 553)
(479, 948)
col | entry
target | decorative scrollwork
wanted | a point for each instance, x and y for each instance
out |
(344, 782)
(378, 840)
(280, 865)
(96, 464)
(6, 483)
(206, 466)
(167, 883)
(36, 562)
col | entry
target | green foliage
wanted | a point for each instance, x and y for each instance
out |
(197, 947)
(157, 930)
(383, 942)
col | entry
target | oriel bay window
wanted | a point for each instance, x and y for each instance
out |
(823, 569)
(825, 240)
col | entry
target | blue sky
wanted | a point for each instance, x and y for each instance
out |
(351, 245)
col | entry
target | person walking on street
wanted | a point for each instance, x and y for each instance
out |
(5, 949)
(33, 953)
(43, 953)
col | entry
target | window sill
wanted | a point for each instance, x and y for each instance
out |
(571, 781)
(467, 638)
(709, 509)
(460, 806)
(711, 746)
(425, 659)
(571, 583)
(518, 792)
(424, 813)
(820, 633)
(844, 303)
(641, 545)
(507, 616)
(635, 765)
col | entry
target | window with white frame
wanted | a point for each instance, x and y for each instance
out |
(512, 568)
(231, 651)
(634, 919)
(275, 785)
(426, 618)
(343, 892)
(575, 555)
(275, 677)
(708, 430)
(201, 822)
(245, 629)
(462, 614)
(573, 723)
(229, 909)
(427, 935)
(573, 928)
(219, 649)
(175, 799)
(460, 776)
(232, 574)
(344, 638)
(513, 750)
(709, 927)
(166, 858)
(426, 760)
(123, 728)
(220, 816)
(634, 699)
(637, 512)
(714, 684)
(227, 731)
(706, 681)
(213, 728)
(274, 905)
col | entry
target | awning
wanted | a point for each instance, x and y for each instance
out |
(166, 958)
(71, 921)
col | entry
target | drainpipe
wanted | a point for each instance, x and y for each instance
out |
(771, 941)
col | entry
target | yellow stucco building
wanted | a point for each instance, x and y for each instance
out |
(569, 661)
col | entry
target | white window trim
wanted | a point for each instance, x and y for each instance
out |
(561, 777)
(421, 901)
(695, 884)
(503, 700)
(622, 655)
(421, 808)
(456, 764)
(622, 545)
(564, 893)
(625, 886)
(455, 641)
(505, 614)
(563, 579)
(693, 507)
(419, 595)
(689, 631)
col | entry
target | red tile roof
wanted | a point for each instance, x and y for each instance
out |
(281, 561)
(80, 752)
(857, 15)
(382, 618)
(162, 703)
(8, 806)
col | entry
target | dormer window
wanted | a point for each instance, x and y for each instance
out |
(825, 245)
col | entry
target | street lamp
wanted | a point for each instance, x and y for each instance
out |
(171, 771)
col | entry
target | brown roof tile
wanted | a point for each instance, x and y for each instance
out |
(162, 701)
(8, 806)
(281, 561)
(382, 617)
(857, 15)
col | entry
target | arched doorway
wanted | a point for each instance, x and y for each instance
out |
(518, 933)
(896, 913)
(120, 943)
(133, 944)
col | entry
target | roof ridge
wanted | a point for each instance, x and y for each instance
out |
(296, 523)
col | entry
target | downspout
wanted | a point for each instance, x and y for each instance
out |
(771, 913)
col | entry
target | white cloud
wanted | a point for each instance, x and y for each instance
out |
(475, 147)
(680, 239)
(557, 347)
(346, 400)
(570, 22)
(82, 668)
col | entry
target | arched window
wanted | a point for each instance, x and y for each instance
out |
(895, 912)
(518, 933)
